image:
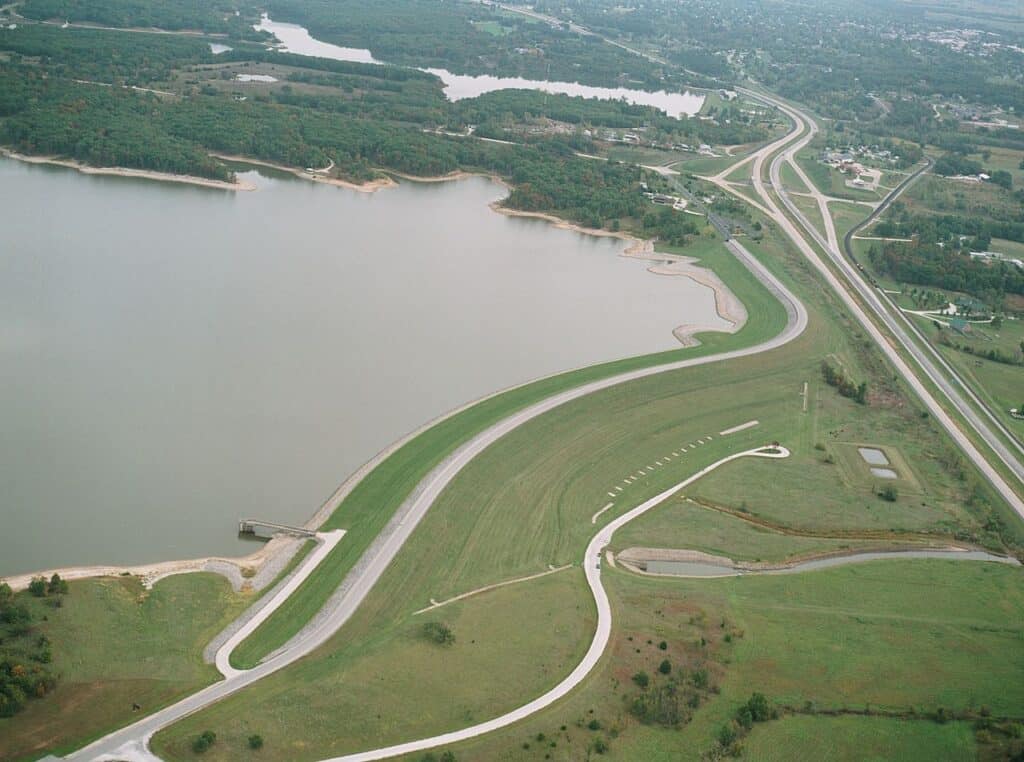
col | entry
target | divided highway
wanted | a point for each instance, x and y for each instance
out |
(804, 130)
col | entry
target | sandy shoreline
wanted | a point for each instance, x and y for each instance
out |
(252, 572)
(127, 172)
(370, 186)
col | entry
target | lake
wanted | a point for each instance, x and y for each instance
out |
(174, 357)
(296, 39)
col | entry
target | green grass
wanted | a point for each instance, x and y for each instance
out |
(371, 504)
(492, 28)
(1001, 385)
(382, 683)
(889, 634)
(791, 180)
(846, 216)
(115, 644)
(811, 210)
(859, 739)
(682, 524)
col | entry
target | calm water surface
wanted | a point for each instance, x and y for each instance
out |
(174, 357)
(296, 39)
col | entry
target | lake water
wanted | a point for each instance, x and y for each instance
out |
(174, 357)
(296, 39)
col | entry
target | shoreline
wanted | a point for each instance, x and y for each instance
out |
(145, 174)
(371, 186)
(245, 573)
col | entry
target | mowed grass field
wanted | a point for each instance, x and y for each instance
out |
(116, 644)
(526, 503)
(860, 739)
(893, 635)
(685, 524)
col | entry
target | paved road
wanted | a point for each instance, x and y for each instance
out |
(803, 133)
(326, 543)
(131, 742)
(592, 569)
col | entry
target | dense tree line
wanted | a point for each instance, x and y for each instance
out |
(835, 378)
(932, 265)
(217, 16)
(452, 36)
(105, 56)
(25, 653)
(948, 228)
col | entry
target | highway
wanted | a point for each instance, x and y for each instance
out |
(804, 130)
(935, 355)
(131, 742)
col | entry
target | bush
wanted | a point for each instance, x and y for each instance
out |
(57, 585)
(663, 645)
(203, 741)
(665, 667)
(888, 493)
(37, 586)
(594, 724)
(256, 741)
(439, 633)
(641, 679)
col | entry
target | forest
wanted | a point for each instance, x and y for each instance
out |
(947, 228)
(25, 654)
(73, 93)
(216, 16)
(935, 266)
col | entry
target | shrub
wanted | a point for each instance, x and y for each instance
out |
(641, 679)
(594, 724)
(255, 741)
(203, 741)
(37, 586)
(665, 667)
(439, 633)
(663, 645)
